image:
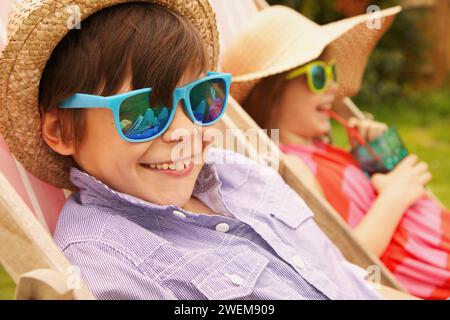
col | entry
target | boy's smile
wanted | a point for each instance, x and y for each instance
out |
(148, 170)
(174, 168)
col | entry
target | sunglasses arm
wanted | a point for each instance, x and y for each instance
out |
(296, 73)
(82, 101)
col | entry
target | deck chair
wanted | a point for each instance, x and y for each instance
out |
(28, 212)
(29, 209)
(235, 14)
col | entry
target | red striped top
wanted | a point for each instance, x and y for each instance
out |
(418, 254)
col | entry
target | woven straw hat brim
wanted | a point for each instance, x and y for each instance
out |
(281, 39)
(35, 28)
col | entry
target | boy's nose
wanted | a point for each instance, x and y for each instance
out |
(181, 128)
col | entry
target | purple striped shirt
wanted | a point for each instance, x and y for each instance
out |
(262, 244)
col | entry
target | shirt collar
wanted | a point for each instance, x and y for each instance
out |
(94, 192)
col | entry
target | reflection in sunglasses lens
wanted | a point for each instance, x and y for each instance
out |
(139, 120)
(207, 100)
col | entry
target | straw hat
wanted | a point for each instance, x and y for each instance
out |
(278, 39)
(35, 28)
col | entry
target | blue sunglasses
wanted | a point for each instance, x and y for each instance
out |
(137, 120)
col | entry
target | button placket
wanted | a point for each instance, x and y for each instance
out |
(223, 227)
(179, 214)
(298, 262)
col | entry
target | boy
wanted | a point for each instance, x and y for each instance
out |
(144, 223)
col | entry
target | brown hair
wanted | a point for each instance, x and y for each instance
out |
(149, 42)
(264, 97)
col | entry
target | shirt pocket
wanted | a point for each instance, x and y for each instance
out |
(287, 206)
(292, 213)
(233, 279)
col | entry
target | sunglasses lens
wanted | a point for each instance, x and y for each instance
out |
(318, 77)
(208, 100)
(139, 120)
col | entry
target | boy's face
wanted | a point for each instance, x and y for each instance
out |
(130, 167)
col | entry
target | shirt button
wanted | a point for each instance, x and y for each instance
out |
(235, 279)
(298, 262)
(222, 227)
(179, 214)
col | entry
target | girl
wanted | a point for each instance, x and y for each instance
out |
(289, 82)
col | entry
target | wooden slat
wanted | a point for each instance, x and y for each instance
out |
(46, 284)
(347, 109)
(34, 201)
(25, 244)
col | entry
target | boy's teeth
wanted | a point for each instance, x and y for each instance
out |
(170, 166)
(179, 167)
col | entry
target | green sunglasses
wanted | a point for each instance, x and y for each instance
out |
(318, 75)
(138, 120)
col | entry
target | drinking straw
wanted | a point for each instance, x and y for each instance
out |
(353, 133)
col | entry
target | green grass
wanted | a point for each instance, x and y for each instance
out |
(7, 286)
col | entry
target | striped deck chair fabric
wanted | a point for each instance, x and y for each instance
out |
(231, 15)
(44, 200)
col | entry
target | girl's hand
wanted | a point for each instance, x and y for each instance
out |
(406, 182)
(368, 129)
